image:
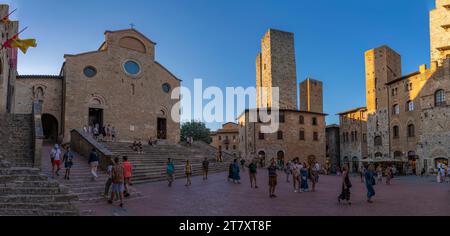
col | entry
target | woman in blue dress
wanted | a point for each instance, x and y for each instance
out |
(304, 178)
(370, 182)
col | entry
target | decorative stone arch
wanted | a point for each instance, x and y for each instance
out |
(50, 127)
(96, 101)
(39, 92)
(355, 164)
(132, 43)
(378, 155)
(162, 112)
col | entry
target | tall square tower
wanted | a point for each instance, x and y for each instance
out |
(276, 67)
(439, 31)
(311, 96)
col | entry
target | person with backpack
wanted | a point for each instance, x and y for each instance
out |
(170, 171)
(346, 186)
(68, 162)
(117, 182)
(253, 169)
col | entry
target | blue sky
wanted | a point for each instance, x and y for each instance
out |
(218, 40)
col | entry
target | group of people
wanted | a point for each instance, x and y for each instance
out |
(57, 158)
(301, 174)
(119, 180)
(188, 170)
(442, 172)
(368, 176)
(101, 133)
(137, 147)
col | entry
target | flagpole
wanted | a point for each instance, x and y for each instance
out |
(10, 14)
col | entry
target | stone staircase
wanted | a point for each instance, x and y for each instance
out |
(80, 183)
(16, 139)
(25, 191)
(151, 166)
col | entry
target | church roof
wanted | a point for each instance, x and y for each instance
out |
(133, 30)
(39, 77)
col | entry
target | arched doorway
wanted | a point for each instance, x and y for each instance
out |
(50, 127)
(262, 158)
(161, 125)
(280, 158)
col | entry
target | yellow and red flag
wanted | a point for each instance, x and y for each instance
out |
(22, 44)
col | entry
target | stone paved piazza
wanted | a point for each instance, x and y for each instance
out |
(407, 196)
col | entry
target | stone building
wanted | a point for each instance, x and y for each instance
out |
(226, 139)
(120, 84)
(353, 141)
(407, 115)
(301, 132)
(333, 148)
(7, 65)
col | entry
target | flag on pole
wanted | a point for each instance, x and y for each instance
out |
(23, 44)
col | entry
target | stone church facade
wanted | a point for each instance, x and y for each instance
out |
(406, 119)
(301, 132)
(120, 84)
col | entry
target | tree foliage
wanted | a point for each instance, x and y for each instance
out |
(197, 130)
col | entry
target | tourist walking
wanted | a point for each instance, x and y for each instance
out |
(380, 174)
(346, 186)
(296, 174)
(304, 175)
(96, 132)
(188, 172)
(317, 170)
(422, 173)
(370, 182)
(388, 175)
(313, 177)
(205, 168)
(170, 169)
(253, 169)
(55, 156)
(230, 172)
(243, 164)
(93, 163)
(68, 162)
(85, 129)
(236, 172)
(117, 182)
(109, 180)
(361, 173)
(288, 170)
(272, 178)
(127, 174)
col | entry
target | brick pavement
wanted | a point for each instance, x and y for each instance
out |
(216, 197)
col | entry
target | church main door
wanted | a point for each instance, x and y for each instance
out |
(96, 116)
(162, 128)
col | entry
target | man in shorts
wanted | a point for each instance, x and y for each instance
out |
(127, 174)
(272, 178)
(117, 182)
(55, 155)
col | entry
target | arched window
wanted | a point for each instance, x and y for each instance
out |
(396, 131)
(378, 155)
(280, 135)
(439, 98)
(411, 130)
(410, 106)
(378, 141)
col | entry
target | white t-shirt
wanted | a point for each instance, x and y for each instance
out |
(56, 154)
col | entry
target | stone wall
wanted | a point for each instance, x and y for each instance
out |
(83, 144)
(439, 24)
(132, 104)
(333, 152)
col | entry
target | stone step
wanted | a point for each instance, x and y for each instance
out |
(47, 206)
(36, 212)
(31, 191)
(39, 198)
